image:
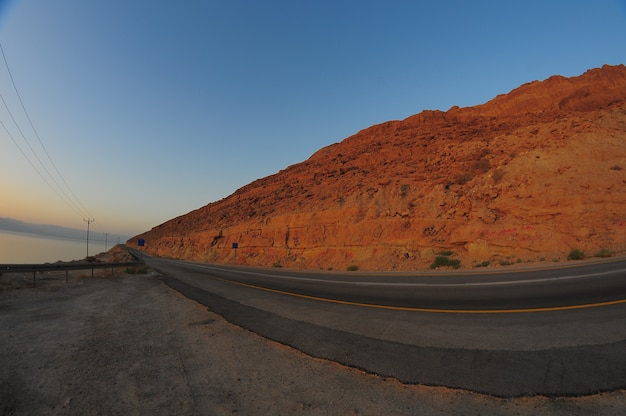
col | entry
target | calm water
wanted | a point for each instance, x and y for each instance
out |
(32, 248)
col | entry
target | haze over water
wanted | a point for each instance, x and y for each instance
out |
(20, 248)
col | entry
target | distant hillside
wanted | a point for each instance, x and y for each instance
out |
(9, 224)
(529, 175)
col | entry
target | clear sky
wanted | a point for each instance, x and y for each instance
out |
(151, 108)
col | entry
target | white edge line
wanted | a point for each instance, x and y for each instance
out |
(348, 283)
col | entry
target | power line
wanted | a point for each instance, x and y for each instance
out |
(66, 198)
(19, 96)
(33, 152)
(74, 203)
(37, 170)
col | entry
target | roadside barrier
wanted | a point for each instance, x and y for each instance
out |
(47, 267)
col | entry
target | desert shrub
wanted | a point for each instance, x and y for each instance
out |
(441, 261)
(463, 178)
(604, 252)
(446, 253)
(576, 254)
(454, 263)
(505, 263)
(616, 167)
(139, 269)
(353, 268)
(278, 265)
(482, 165)
(497, 175)
(484, 263)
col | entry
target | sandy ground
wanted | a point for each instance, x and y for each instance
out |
(129, 345)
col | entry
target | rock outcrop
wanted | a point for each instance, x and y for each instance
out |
(528, 175)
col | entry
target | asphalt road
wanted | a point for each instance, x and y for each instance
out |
(557, 331)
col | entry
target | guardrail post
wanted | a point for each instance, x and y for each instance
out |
(35, 268)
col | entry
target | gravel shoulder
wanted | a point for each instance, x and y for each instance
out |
(128, 344)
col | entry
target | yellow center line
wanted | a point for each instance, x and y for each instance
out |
(429, 310)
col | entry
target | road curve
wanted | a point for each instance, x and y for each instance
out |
(557, 331)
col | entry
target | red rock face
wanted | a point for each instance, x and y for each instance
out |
(531, 174)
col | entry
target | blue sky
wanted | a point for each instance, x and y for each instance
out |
(150, 109)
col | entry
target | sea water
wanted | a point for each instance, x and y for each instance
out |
(22, 248)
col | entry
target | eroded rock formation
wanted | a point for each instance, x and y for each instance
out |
(531, 174)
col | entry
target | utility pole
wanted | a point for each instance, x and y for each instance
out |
(106, 238)
(88, 221)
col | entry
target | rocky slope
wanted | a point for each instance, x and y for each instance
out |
(528, 175)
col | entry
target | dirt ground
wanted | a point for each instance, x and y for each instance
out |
(130, 345)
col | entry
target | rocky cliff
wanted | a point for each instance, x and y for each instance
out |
(529, 175)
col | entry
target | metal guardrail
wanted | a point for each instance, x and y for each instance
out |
(47, 267)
